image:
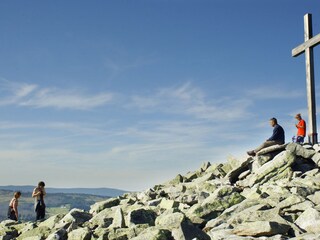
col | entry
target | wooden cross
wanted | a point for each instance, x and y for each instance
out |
(307, 48)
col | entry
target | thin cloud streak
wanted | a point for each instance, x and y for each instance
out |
(192, 101)
(31, 95)
(267, 92)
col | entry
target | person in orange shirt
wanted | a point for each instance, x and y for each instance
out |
(301, 126)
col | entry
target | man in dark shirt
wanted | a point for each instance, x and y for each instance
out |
(276, 138)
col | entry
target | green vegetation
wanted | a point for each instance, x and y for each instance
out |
(55, 202)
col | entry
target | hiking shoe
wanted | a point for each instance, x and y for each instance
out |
(251, 153)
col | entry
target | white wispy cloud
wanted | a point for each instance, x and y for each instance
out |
(31, 95)
(269, 92)
(192, 101)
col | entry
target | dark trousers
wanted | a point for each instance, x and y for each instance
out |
(12, 214)
(40, 211)
(300, 139)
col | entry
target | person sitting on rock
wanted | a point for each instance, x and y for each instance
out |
(276, 138)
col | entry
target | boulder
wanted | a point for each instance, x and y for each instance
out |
(52, 221)
(315, 198)
(39, 232)
(8, 232)
(216, 203)
(261, 228)
(299, 150)
(309, 220)
(76, 216)
(61, 234)
(170, 221)
(118, 220)
(142, 216)
(168, 204)
(278, 168)
(233, 175)
(126, 233)
(217, 170)
(187, 231)
(177, 180)
(98, 207)
(154, 234)
(205, 166)
(275, 148)
(80, 234)
(103, 218)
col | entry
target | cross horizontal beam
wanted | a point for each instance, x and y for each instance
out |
(308, 44)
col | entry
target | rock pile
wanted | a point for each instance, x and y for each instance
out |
(274, 195)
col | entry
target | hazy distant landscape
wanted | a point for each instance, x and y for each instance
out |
(57, 200)
(106, 192)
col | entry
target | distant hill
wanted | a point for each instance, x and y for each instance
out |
(105, 192)
(56, 203)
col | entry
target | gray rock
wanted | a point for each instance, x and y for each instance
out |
(32, 238)
(188, 231)
(170, 221)
(216, 203)
(307, 236)
(309, 220)
(118, 220)
(100, 234)
(103, 218)
(261, 228)
(168, 204)
(191, 176)
(154, 202)
(39, 232)
(244, 174)
(177, 180)
(234, 174)
(316, 158)
(142, 216)
(232, 211)
(154, 234)
(299, 150)
(316, 147)
(7, 231)
(217, 170)
(315, 198)
(52, 221)
(205, 166)
(257, 213)
(127, 233)
(61, 234)
(76, 216)
(275, 148)
(278, 168)
(99, 206)
(80, 234)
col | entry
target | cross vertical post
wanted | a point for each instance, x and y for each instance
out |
(307, 48)
(310, 80)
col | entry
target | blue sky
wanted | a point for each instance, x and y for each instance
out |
(128, 94)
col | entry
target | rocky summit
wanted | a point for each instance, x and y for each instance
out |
(274, 195)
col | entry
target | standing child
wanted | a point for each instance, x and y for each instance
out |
(13, 207)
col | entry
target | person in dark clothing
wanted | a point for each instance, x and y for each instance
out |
(40, 207)
(278, 137)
